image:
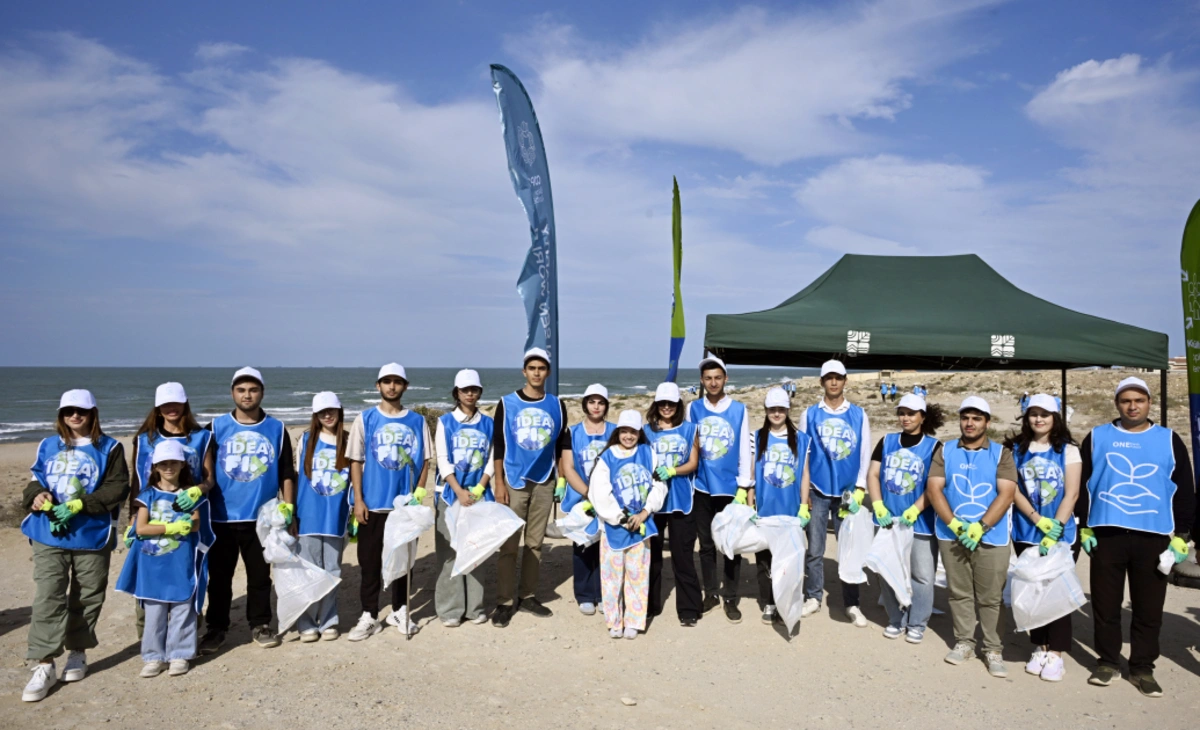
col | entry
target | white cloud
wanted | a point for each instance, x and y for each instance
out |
(212, 52)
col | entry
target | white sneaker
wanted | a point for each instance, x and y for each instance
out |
(44, 677)
(854, 614)
(365, 628)
(76, 668)
(452, 623)
(631, 633)
(615, 633)
(587, 609)
(399, 619)
(179, 667)
(1054, 669)
(480, 619)
(811, 606)
(330, 634)
(308, 636)
(152, 669)
(1037, 662)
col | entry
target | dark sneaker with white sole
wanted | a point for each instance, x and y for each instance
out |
(1103, 676)
(212, 642)
(265, 637)
(1145, 683)
(732, 613)
(534, 606)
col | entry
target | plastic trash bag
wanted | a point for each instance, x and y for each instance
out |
(891, 559)
(788, 544)
(298, 583)
(734, 531)
(1045, 588)
(1166, 561)
(478, 531)
(576, 526)
(404, 525)
(1006, 596)
(854, 544)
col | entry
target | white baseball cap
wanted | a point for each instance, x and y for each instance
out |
(667, 392)
(77, 399)
(778, 398)
(168, 450)
(715, 360)
(596, 389)
(247, 372)
(392, 368)
(974, 401)
(1128, 383)
(536, 353)
(467, 379)
(833, 366)
(1043, 401)
(912, 402)
(170, 393)
(325, 400)
(630, 419)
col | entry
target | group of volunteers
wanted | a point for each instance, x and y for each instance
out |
(193, 495)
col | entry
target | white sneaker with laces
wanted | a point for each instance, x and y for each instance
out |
(330, 634)
(480, 619)
(856, 615)
(76, 668)
(399, 618)
(178, 668)
(1054, 669)
(152, 669)
(365, 628)
(44, 677)
(1037, 662)
(811, 606)
(615, 633)
(631, 633)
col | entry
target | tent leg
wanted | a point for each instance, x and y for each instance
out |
(1162, 389)
(1064, 394)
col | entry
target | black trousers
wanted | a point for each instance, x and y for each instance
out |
(683, 566)
(654, 604)
(704, 508)
(762, 564)
(1055, 635)
(1119, 555)
(234, 538)
(370, 562)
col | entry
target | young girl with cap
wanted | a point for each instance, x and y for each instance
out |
(676, 448)
(896, 481)
(1049, 467)
(780, 482)
(589, 438)
(323, 507)
(463, 443)
(625, 494)
(166, 576)
(79, 480)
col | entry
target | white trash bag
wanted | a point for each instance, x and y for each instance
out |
(734, 531)
(854, 544)
(478, 531)
(788, 544)
(404, 525)
(891, 559)
(1045, 588)
(1006, 596)
(576, 526)
(298, 583)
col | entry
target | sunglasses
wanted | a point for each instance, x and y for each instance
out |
(72, 412)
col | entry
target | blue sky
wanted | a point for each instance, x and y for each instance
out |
(310, 183)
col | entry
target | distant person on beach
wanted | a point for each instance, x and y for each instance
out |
(883, 392)
(1140, 502)
(1023, 401)
(838, 465)
(534, 435)
(971, 484)
(892, 391)
(78, 482)
(589, 438)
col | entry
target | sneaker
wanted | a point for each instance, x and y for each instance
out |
(631, 633)
(330, 634)
(502, 616)
(1037, 662)
(587, 609)
(689, 622)
(212, 642)
(914, 636)
(1055, 668)
(366, 627)
(399, 618)
(76, 668)
(265, 637)
(961, 652)
(855, 614)
(769, 614)
(452, 623)
(308, 636)
(710, 602)
(732, 613)
(178, 668)
(480, 619)
(1103, 676)
(811, 606)
(615, 633)
(534, 606)
(152, 669)
(1145, 683)
(44, 677)
(995, 664)
(892, 632)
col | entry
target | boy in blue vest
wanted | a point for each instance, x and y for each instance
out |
(972, 483)
(1139, 503)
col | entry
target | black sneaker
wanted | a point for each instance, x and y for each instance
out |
(768, 615)
(689, 622)
(710, 602)
(732, 613)
(265, 637)
(502, 616)
(1103, 676)
(212, 642)
(534, 606)
(1145, 683)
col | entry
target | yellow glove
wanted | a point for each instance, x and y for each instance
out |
(881, 513)
(740, 497)
(178, 527)
(910, 515)
(418, 495)
(1180, 549)
(1045, 545)
(587, 507)
(188, 499)
(805, 515)
(477, 491)
(975, 531)
(956, 526)
(288, 511)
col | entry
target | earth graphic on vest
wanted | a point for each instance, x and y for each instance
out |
(327, 480)
(394, 444)
(1043, 479)
(669, 450)
(534, 428)
(469, 445)
(246, 456)
(716, 436)
(590, 454)
(70, 474)
(632, 484)
(903, 473)
(839, 439)
(161, 510)
(778, 469)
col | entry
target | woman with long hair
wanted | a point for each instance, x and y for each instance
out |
(589, 437)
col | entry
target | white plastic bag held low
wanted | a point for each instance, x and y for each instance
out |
(1045, 588)
(891, 559)
(404, 525)
(854, 544)
(734, 532)
(478, 531)
(576, 526)
(788, 545)
(298, 583)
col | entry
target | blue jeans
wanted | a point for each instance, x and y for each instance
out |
(586, 562)
(823, 509)
(924, 566)
(170, 631)
(324, 552)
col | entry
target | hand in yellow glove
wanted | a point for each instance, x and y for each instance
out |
(130, 536)
(1087, 540)
(1050, 527)
(1045, 545)
(178, 527)
(910, 515)
(587, 508)
(188, 499)
(740, 496)
(560, 490)
(65, 511)
(418, 495)
(956, 526)
(1179, 547)
(971, 536)
(882, 515)
(477, 491)
(288, 511)
(805, 515)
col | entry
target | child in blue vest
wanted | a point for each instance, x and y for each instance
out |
(625, 495)
(589, 438)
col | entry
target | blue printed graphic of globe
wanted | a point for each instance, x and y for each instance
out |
(246, 456)
(1043, 480)
(161, 510)
(632, 485)
(839, 439)
(669, 450)
(779, 468)
(327, 480)
(533, 429)
(904, 472)
(70, 474)
(716, 436)
(470, 447)
(394, 444)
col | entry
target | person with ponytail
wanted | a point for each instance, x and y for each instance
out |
(589, 437)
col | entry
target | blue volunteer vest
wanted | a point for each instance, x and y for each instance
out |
(970, 489)
(70, 473)
(468, 447)
(323, 501)
(164, 568)
(1041, 477)
(530, 429)
(836, 441)
(777, 473)
(631, 480)
(247, 467)
(395, 455)
(672, 447)
(1131, 485)
(902, 477)
(585, 449)
(719, 447)
(195, 445)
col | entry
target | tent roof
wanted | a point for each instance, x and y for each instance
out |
(928, 313)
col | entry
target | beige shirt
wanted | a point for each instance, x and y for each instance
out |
(356, 447)
(1007, 469)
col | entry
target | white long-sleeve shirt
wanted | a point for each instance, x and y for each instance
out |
(864, 438)
(442, 447)
(600, 491)
(745, 475)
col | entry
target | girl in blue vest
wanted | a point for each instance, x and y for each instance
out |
(676, 447)
(165, 577)
(896, 481)
(78, 482)
(589, 437)
(322, 508)
(1049, 467)
(625, 494)
(780, 482)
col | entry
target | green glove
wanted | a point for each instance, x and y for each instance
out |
(663, 473)
(1179, 547)
(352, 531)
(740, 497)
(130, 536)
(881, 513)
(64, 512)
(805, 515)
(47, 505)
(418, 495)
(1045, 545)
(910, 515)
(188, 499)
(956, 526)
(560, 490)
(288, 511)
(477, 491)
(178, 527)
(1050, 527)
(1087, 540)
(856, 503)
(969, 538)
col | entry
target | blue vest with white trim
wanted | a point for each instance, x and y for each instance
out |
(322, 500)
(469, 446)
(672, 447)
(837, 440)
(1042, 478)
(70, 472)
(164, 567)
(720, 446)
(195, 446)
(971, 488)
(247, 467)
(585, 449)
(530, 429)
(632, 479)
(902, 477)
(395, 455)
(1130, 485)
(777, 473)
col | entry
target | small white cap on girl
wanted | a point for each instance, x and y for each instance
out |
(778, 398)
(668, 392)
(630, 419)
(169, 393)
(77, 399)
(168, 450)
(595, 389)
(325, 400)
(467, 379)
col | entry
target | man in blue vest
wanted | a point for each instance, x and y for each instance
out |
(1139, 504)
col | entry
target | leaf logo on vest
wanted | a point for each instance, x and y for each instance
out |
(161, 510)
(669, 450)
(1004, 346)
(394, 444)
(70, 474)
(534, 427)
(1129, 496)
(779, 466)
(327, 480)
(838, 438)
(1043, 481)
(903, 472)
(590, 453)
(971, 502)
(857, 342)
(469, 447)
(526, 142)
(632, 485)
(716, 436)
(246, 456)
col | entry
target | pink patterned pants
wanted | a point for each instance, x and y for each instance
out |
(625, 574)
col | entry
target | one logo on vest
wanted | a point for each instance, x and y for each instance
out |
(161, 510)
(716, 436)
(779, 466)
(327, 480)
(669, 450)
(394, 444)
(469, 449)
(633, 484)
(1130, 496)
(903, 471)
(70, 474)
(972, 502)
(246, 456)
(1043, 480)
(838, 438)
(591, 452)
(534, 429)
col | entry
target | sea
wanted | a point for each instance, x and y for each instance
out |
(29, 395)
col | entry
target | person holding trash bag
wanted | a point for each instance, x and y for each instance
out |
(463, 442)
(389, 457)
(589, 437)
(676, 448)
(625, 494)
(838, 466)
(971, 485)
(78, 482)
(896, 481)
(1139, 504)
(781, 482)
(533, 437)
(725, 475)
